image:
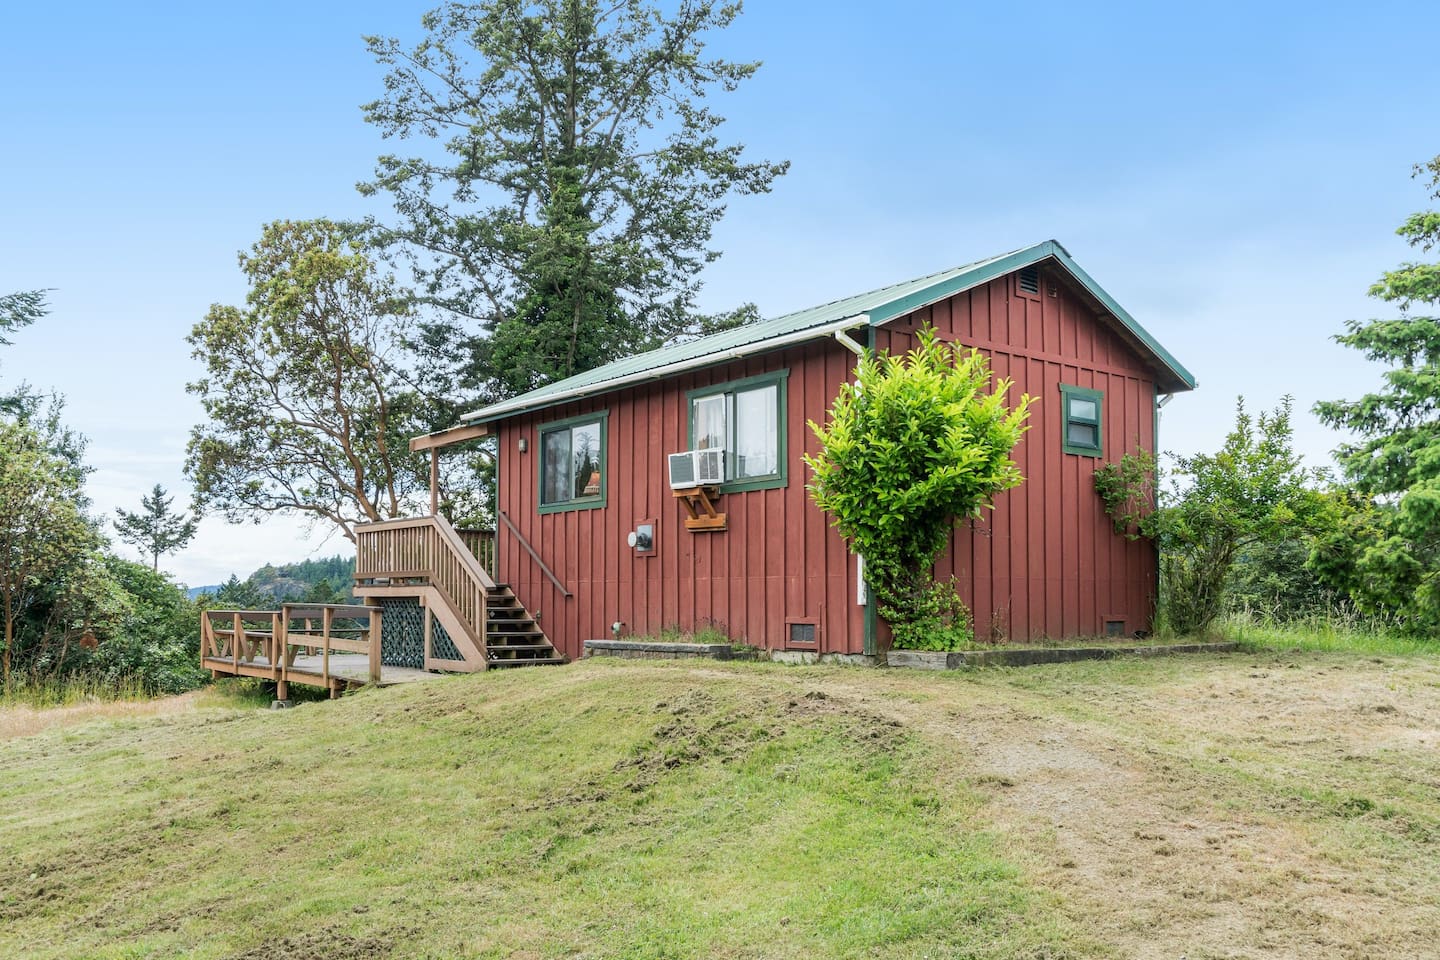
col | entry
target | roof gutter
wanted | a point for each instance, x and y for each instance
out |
(510, 407)
(850, 344)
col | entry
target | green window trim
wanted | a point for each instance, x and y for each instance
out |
(1068, 395)
(780, 379)
(602, 417)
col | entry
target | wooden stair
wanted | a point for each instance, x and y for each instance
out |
(512, 637)
(426, 559)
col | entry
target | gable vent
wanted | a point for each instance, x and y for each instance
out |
(1029, 280)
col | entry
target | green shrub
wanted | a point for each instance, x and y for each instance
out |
(919, 443)
(1251, 493)
(157, 641)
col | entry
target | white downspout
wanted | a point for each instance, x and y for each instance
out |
(862, 590)
(848, 343)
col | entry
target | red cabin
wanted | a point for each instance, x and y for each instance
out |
(598, 527)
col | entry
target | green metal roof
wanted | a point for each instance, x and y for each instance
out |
(876, 307)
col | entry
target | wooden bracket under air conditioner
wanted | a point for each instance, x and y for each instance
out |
(700, 504)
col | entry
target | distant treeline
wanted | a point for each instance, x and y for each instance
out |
(326, 580)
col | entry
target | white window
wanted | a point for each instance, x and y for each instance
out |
(746, 420)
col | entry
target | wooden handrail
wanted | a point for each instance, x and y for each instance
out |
(400, 524)
(533, 555)
(469, 559)
(428, 549)
(233, 647)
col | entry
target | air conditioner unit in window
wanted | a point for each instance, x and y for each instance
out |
(697, 468)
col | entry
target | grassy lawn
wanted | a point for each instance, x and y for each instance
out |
(598, 810)
(1271, 803)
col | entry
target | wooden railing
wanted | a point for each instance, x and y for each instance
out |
(482, 544)
(242, 636)
(299, 624)
(544, 568)
(267, 643)
(426, 550)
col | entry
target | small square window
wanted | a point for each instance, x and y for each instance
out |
(1082, 409)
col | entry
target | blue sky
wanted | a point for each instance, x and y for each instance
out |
(1232, 173)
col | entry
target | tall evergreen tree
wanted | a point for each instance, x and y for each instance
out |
(156, 528)
(1389, 555)
(571, 210)
(20, 310)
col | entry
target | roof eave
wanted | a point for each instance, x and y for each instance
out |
(511, 408)
(1179, 379)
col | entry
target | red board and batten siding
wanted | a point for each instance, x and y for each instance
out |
(777, 560)
(1045, 562)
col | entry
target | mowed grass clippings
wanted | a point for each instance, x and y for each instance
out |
(1265, 804)
(599, 810)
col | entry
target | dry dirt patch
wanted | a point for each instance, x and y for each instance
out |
(1227, 807)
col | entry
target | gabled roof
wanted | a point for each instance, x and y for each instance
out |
(872, 309)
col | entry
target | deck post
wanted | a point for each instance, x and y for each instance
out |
(237, 631)
(325, 619)
(434, 481)
(429, 621)
(375, 664)
(277, 645)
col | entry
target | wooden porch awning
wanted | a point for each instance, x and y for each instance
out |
(434, 442)
(446, 438)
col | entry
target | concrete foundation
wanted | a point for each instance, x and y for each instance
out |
(931, 660)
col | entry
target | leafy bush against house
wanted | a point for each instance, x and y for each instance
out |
(921, 442)
(1253, 491)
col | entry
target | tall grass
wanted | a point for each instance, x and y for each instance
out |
(69, 690)
(1337, 630)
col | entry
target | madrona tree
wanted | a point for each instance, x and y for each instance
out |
(922, 441)
(1386, 550)
(306, 407)
(565, 177)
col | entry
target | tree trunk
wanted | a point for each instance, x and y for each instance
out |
(9, 639)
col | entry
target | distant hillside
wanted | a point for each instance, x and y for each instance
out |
(326, 580)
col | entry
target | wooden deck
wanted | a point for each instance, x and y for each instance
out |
(338, 646)
(353, 669)
(331, 646)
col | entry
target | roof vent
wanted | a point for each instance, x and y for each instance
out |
(1029, 280)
